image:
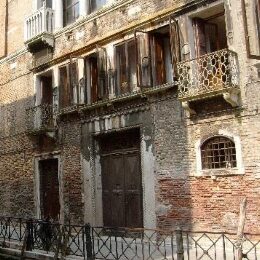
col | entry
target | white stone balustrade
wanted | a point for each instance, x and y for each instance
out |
(42, 21)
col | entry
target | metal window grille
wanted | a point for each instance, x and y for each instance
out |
(218, 152)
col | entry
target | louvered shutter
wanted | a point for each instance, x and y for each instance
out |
(144, 69)
(102, 72)
(175, 44)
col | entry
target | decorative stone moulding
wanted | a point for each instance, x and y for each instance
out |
(39, 42)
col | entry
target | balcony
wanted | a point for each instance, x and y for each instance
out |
(40, 120)
(210, 75)
(39, 29)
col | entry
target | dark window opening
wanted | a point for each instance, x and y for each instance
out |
(40, 3)
(49, 189)
(218, 152)
(209, 33)
(161, 56)
(96, 76)
(46, 90)
(91, 76)
(94, 5)
(71, 11)
(126, 67)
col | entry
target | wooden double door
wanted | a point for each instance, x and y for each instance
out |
(122, 185)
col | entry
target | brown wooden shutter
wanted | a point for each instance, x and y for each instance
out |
(93, 79)
(3, 27)
(175, 44)
(122, 73)
(102, 72)
(199, 34)
(144, 68)
(64, 87)
(158, 61)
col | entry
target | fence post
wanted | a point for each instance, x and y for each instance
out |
(29, 227)
(179, 243)
(88, 242)
(240, 230)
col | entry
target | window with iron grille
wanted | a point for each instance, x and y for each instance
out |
(218, 152)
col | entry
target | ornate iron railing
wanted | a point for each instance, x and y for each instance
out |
(123, 243)
(207, 75)
(40, 118)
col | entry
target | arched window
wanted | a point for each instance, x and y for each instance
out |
(218, 152)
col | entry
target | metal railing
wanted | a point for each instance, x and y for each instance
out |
(123, 243)
(208, 74)
(39, 22)
(40, 118)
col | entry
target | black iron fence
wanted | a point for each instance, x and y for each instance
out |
(122, 243)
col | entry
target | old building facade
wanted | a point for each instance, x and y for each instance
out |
(131, 113)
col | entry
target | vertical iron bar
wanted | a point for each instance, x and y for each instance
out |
(116, 244)
(9, 233)
(88, 242)
(179, 242)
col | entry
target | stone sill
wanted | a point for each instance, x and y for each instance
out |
(206, 94)
(122, 98)
(220, 172)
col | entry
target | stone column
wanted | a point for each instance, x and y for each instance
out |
(83, 8)
(58, 14)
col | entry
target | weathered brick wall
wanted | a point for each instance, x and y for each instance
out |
(17, 12)
(72, 172)
(203, 202)
(17, 176)
(181, 198)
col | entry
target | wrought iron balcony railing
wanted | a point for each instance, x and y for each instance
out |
(40, 119)
(39, 27)
(208, 75)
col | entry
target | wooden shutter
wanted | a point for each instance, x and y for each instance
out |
(144, 68)
(122, 73)
(64, 87)
(102, 72)
(199, 34)
(3, 27)
(73, 88)
(175, 44)
(93, 79)
(158, 61)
